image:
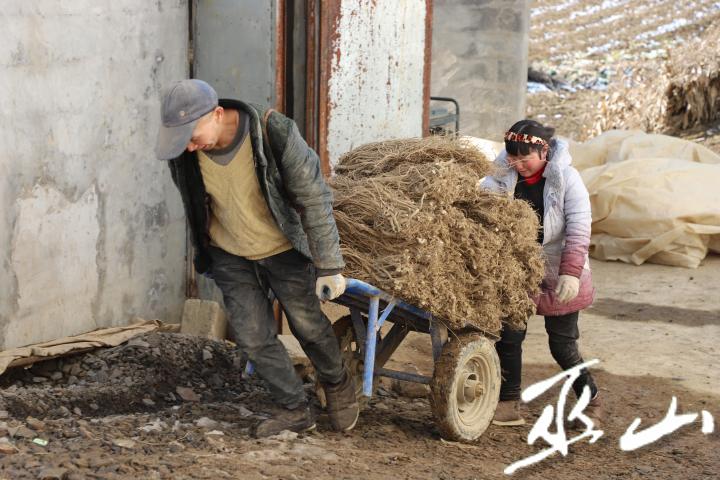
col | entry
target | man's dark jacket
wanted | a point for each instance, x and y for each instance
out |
(291, 182)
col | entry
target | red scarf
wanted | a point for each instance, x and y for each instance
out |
(535, 177)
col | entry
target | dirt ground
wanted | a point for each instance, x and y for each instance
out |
(117, 412)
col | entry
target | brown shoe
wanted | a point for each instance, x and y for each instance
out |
(300, 419)
(342, 404)
(507, 414)
(595, 412)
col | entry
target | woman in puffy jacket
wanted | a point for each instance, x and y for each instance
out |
(536, 167)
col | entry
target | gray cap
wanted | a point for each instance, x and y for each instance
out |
(183, 104)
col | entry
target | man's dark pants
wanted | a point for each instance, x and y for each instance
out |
(244, 284)
(563, 334)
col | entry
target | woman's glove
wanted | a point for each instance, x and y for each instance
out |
(330, 287)
(567, 288)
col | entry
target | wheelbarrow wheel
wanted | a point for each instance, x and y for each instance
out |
(352, 358)
(465, 387)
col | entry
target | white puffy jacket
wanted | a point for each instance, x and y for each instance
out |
(566, 226)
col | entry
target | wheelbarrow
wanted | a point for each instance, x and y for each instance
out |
(465, 385)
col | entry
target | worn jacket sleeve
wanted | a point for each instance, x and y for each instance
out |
(307, 190)
(578, 221)
(195, 210)
(492, 183)
(173, 173)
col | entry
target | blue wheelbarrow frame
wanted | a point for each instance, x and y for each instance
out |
(465, 393)
(379, 306)
(363, 298)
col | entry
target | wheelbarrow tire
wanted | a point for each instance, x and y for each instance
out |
(465, 387)
(347, 341)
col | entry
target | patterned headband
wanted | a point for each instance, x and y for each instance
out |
(524, 138)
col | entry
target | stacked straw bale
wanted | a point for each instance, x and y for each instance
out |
(414, 222)
(693, 95)
(669, 97)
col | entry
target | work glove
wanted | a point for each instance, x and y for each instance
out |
(567, 288)
(330, 287)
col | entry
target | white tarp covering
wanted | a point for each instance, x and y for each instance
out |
(654, 198)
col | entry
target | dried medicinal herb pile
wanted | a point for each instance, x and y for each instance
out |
(414, 222)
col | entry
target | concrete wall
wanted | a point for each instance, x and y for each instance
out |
(480, 51)
(91, 229)
(377, 73)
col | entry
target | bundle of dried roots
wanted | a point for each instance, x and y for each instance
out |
(414, 222)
